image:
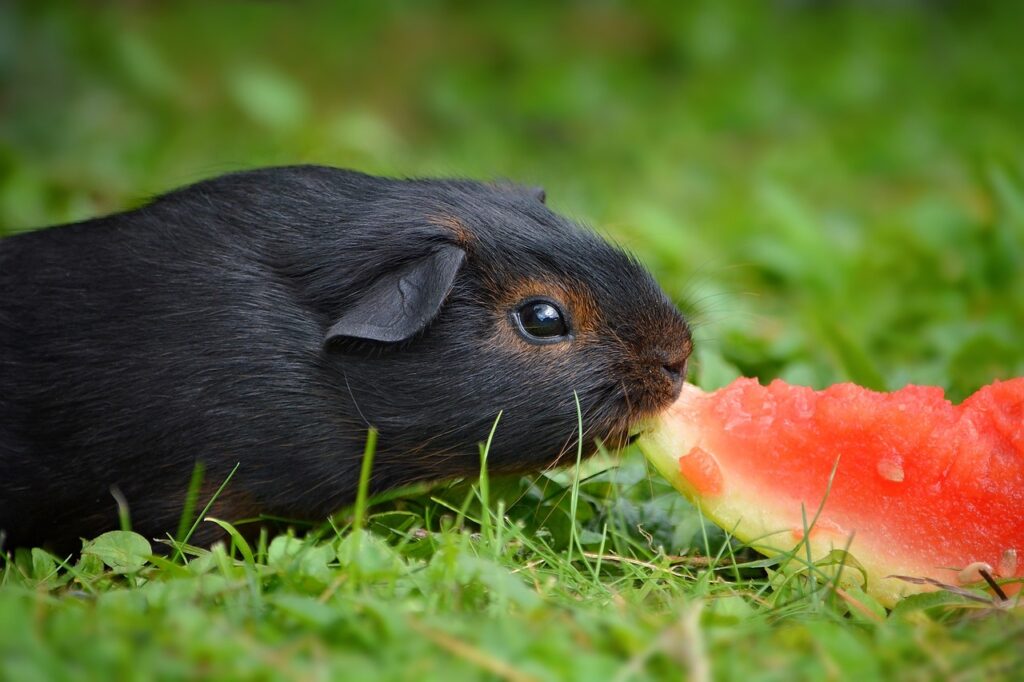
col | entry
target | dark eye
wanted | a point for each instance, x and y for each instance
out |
(541, 321)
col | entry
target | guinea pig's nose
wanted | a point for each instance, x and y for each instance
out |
(673, 366)
(670, 365)
(675, 371)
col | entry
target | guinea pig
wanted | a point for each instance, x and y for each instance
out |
(267, 319)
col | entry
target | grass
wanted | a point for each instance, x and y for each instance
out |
(832, 191)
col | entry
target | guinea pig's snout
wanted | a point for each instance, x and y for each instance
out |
(673, 369)
(663, 371)
(659, 374)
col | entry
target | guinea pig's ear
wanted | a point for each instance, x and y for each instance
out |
(538, 193)
(532, 192)
(402, 302)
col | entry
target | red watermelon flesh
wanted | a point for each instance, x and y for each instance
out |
(921, 488)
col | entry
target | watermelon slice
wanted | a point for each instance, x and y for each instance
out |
(909, 483)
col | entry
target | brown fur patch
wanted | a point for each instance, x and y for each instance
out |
(463, 235)
(232, 504)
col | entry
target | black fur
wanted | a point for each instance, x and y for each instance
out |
(197, 328)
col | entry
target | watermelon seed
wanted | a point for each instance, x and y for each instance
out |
(1008, 563)
(890, 468)
(972, 572)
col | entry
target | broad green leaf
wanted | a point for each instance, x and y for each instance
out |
(122, 551)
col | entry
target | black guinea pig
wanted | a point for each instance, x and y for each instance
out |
(268, 318)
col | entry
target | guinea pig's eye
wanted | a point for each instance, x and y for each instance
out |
(541, 321)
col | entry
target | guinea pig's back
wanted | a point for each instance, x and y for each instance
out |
(151, 318)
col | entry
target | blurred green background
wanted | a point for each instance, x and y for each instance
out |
(834, 191)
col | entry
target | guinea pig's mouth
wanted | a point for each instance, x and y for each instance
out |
(621, 421)
(618, 439)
